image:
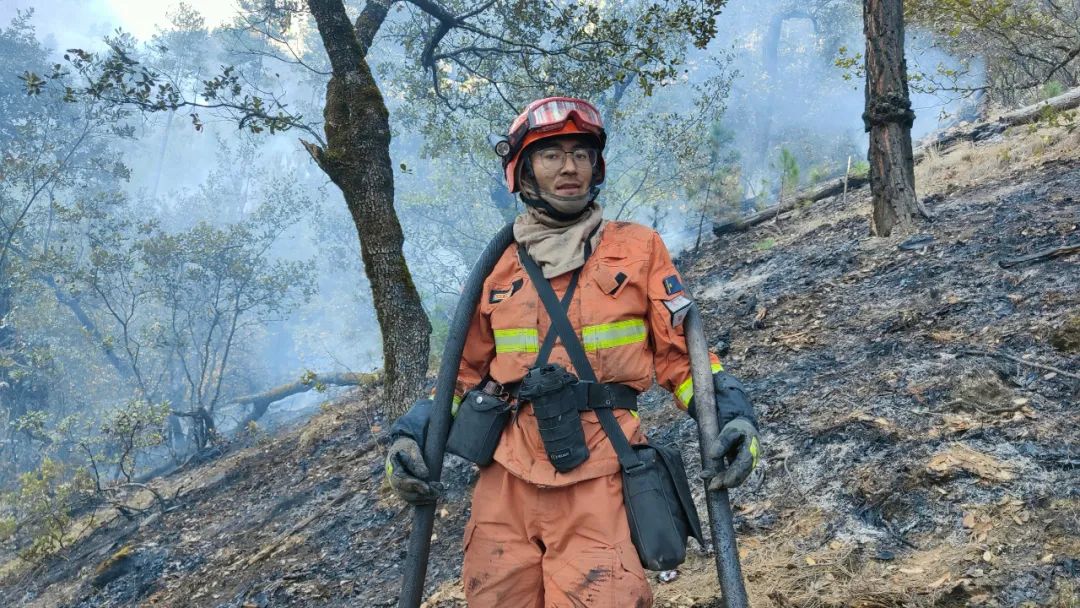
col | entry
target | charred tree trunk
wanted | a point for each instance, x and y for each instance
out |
(888, 117)
(357, 160)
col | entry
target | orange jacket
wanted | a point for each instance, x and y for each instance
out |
(619, 314)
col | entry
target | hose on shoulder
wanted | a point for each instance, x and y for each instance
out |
(419, 547)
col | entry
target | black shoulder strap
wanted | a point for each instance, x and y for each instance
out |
(568, 297)
(564, 305)
(560, 325)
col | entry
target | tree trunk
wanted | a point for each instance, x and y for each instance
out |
(357, 160)
(888, 117)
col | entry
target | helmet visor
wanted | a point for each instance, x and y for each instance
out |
(552, 113)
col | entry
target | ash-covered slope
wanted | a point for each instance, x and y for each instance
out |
(921, 449)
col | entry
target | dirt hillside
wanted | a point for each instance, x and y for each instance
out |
(918, 400)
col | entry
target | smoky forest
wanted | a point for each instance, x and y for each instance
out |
(236, 237)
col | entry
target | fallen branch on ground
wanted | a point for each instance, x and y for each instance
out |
(1022, 116)
(1049, 368)
(260, 402)
(809, 195)
(1039, 256)
(281, 539)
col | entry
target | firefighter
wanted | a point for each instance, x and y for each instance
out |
(541, 536)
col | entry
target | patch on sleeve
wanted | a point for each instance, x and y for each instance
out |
(498, 295)
(672, 285)
(678, 307)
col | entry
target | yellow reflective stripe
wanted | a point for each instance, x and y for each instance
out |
(454, 404)
(610, 335)
(755, 451)
(686, 390)
(519, 340)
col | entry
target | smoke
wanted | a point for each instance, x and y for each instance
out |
(789, 94)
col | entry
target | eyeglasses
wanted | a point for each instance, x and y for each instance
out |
(552, 159)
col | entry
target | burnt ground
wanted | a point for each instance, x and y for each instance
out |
(920, 448)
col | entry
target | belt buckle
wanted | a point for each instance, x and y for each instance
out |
(495, 389)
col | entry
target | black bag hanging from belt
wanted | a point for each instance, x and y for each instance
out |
(656, 493)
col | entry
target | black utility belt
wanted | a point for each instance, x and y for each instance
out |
(602, 395)
(485, 411)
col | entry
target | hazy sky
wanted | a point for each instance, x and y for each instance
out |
(81, 23)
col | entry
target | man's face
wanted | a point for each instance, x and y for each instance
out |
(564, 166)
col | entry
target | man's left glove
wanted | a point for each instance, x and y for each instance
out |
(407, 472)
(738, 445)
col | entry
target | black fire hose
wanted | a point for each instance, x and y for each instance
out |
(722, 530)
(415, 571)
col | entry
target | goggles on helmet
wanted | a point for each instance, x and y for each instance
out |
(550, 114)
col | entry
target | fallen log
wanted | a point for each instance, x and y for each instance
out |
(977, 132)
(808, 195)
(260, 402)
(980, 131)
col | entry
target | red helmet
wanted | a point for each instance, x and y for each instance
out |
(552, 117)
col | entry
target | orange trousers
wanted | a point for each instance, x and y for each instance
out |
(528, 546)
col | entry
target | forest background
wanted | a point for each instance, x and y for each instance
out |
(174, 261)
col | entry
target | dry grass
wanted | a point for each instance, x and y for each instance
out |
(968, 164)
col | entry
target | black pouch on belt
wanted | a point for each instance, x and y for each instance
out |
(550, 389)
(479, 423)
(659, 507)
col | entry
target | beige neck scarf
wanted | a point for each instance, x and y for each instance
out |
(556, 246)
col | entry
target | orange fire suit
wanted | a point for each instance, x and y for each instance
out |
(537, 537)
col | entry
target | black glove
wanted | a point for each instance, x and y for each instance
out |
(738, 443)
(739, 446)
(407, 472)
(405, 467)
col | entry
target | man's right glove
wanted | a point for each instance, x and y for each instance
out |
(407, 472)
(405, 467)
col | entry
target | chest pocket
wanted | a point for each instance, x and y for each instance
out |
(511, 307)
(614, 311)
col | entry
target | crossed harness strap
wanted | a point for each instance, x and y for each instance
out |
(588, 395)
(607, 396)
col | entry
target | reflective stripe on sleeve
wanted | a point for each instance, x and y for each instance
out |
(610, 335)
(686, 390)
(518, 340)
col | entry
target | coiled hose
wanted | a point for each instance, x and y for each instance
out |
(419, 548)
